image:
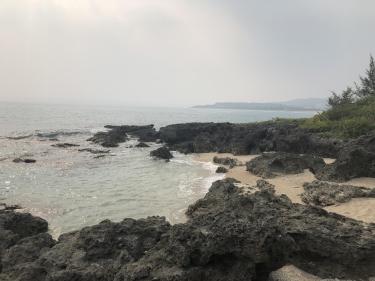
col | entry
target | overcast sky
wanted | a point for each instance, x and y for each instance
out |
(181, 52)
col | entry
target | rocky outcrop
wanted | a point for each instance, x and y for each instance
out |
(230, 235)
(221, 170)
(93, 253)
(355, 159)
(227, 161)
(269, 165)
(322, 193)
(252, 138)
(162, 153)
(16, 226)
(24, 160)
(119, 134)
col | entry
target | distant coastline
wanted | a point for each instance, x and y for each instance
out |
(312, 104)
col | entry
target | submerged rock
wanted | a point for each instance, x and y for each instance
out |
(221, 170)
(162, 153)
(119, 134)
(231, 162)
(94, 151)
(322, 193)
(64, 145)
(269, 165)
(24, 160)
(142, 144)
(229, 236)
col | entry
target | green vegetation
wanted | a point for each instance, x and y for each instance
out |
(351, 113)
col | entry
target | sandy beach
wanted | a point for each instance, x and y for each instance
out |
(362, 209)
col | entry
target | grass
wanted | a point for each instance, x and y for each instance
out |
(344, 121)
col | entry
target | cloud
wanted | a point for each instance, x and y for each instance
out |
(180, 52)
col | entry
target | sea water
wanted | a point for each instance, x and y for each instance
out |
(72, 189)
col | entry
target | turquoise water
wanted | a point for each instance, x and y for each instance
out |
(72, 189)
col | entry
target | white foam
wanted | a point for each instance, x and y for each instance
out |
(205, 182)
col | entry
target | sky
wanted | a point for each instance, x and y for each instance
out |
(181, 52)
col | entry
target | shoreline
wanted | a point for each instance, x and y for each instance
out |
(362, 209)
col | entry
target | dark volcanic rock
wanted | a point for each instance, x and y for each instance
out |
(356, 159)
(142, 144)
(231, 162)
(252, 138)
(94, 253)
(5, 207)
(119, 134)
(322, 193)
(269, 165)
(26, 250)
(64, 145)
(94, 151)
(162, 153)
(24, 160)
(221, 170)
(15, 226)
(230, 236)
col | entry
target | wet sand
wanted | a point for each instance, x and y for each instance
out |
(292, 185)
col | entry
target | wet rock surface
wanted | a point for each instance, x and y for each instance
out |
(162, 153)
(322, 193)
(269, 165)
(229, 236)
(119, 134)
(94, 151)
(64, 145)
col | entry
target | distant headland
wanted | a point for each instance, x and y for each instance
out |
(312, 104)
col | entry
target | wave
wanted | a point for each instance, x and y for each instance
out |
(47, 134)
(20, 137)
(188, 187)
(57, 133)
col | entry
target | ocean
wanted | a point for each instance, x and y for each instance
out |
(73, 189)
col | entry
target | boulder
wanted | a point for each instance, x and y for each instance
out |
(231, 162)
(162, 153)
(323, 194)
(221, 170)
(269, 165)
